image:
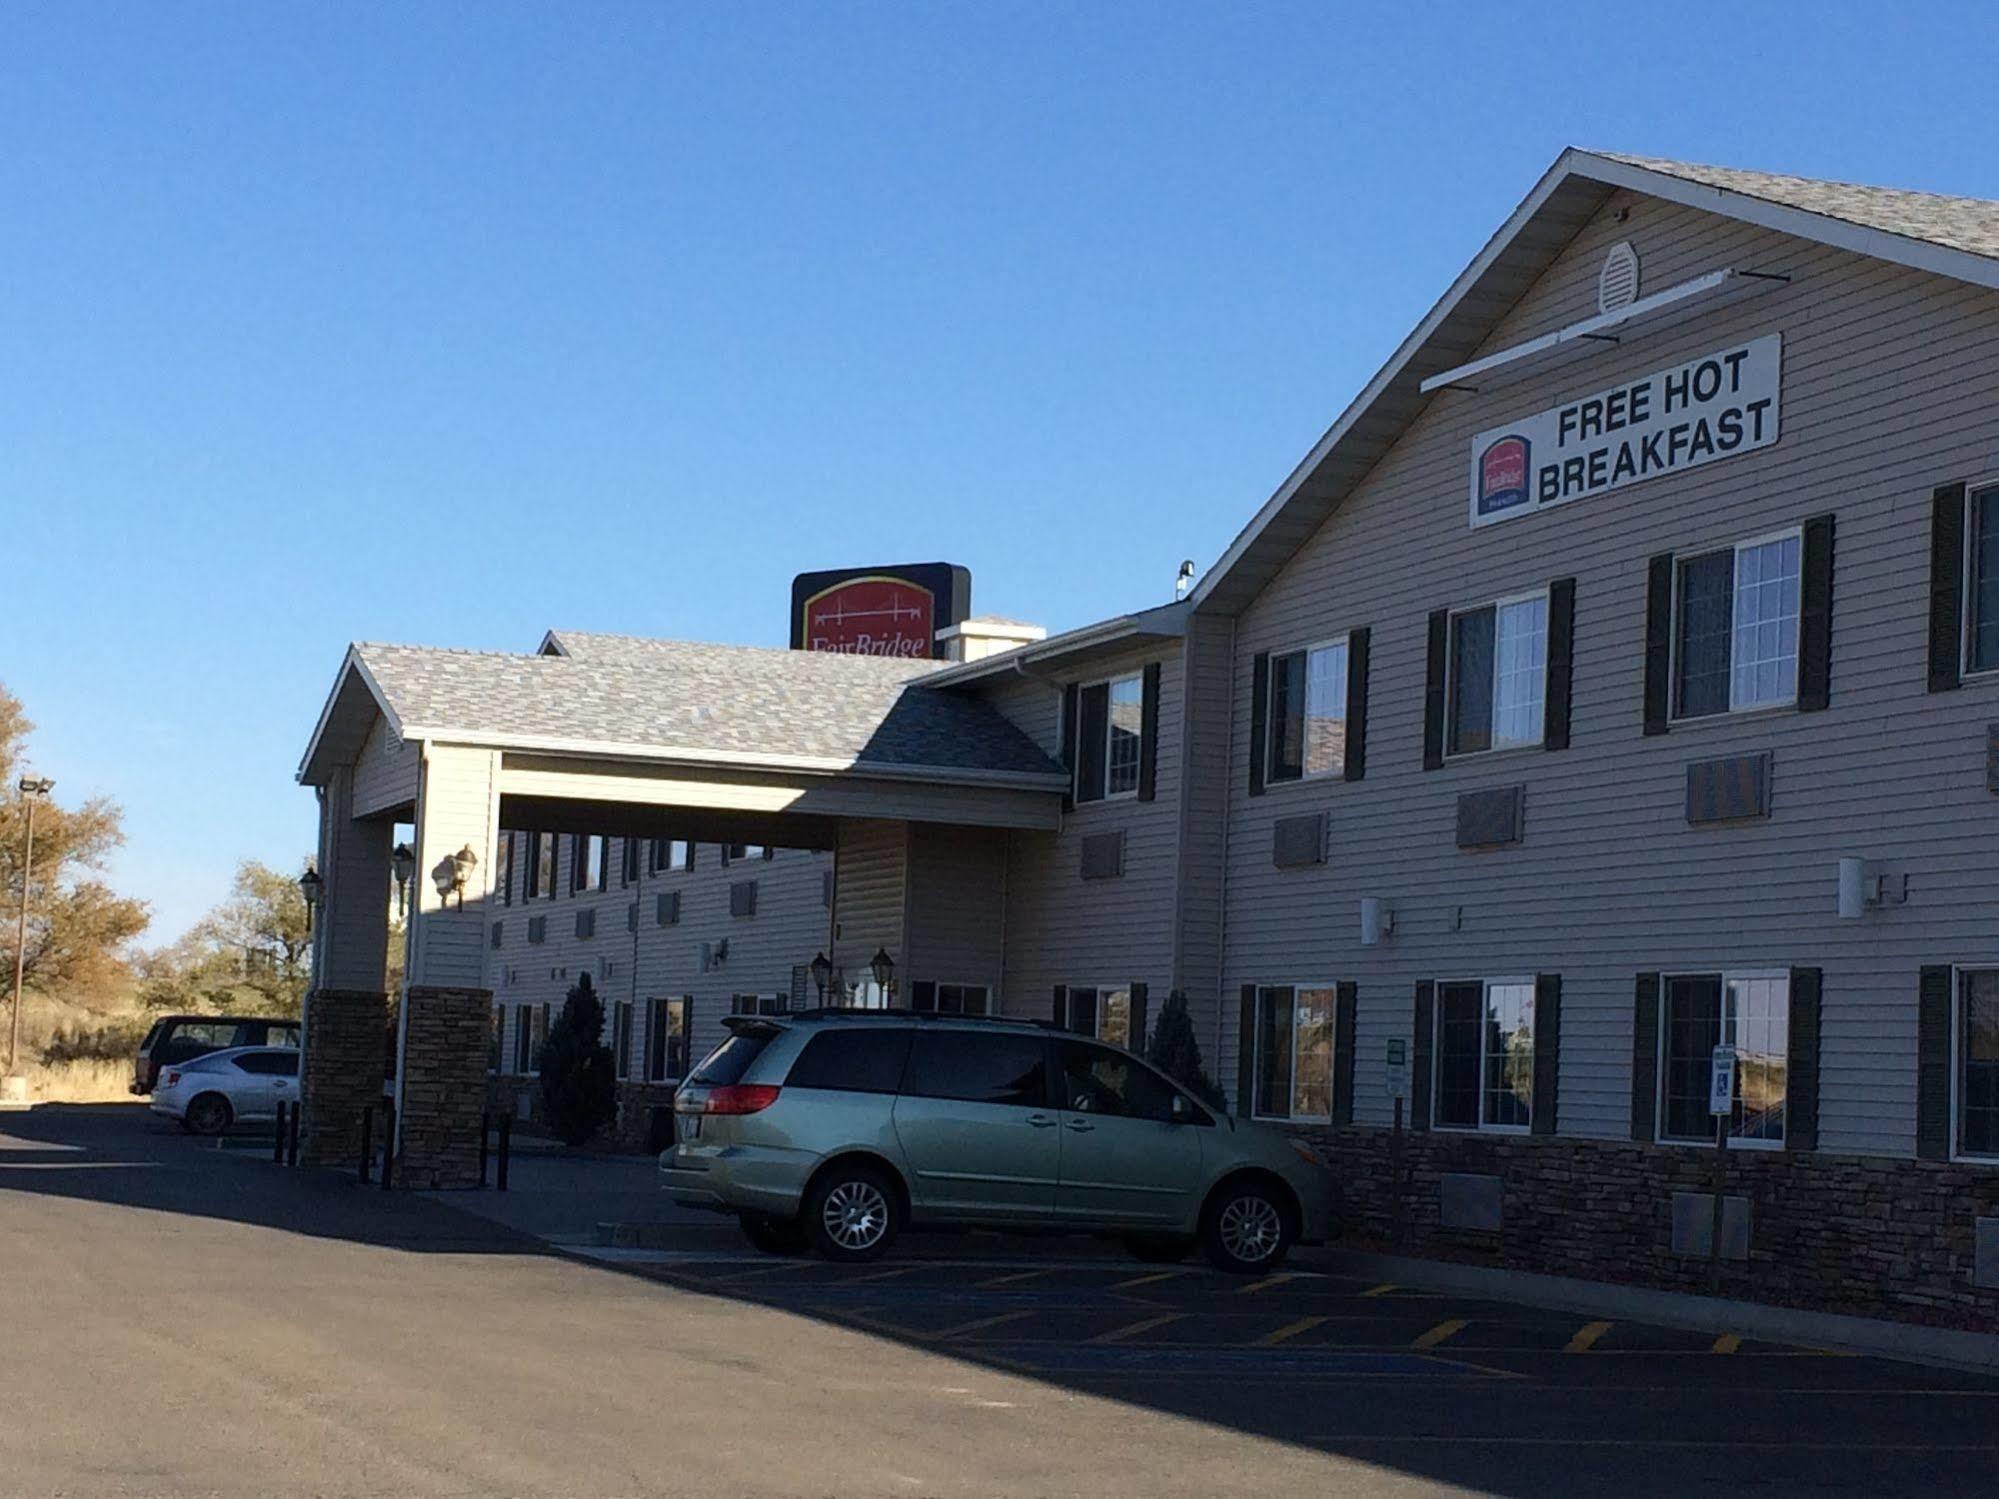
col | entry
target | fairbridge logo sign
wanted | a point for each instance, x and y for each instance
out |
(878, 611)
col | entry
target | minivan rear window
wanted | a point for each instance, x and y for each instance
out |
(852, 1058)
(728, 1062)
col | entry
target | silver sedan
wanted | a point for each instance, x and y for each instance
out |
(241, 1085)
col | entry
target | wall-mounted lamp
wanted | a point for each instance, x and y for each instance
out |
(454, 874)
(403, 862)
(1376, 921)
(1860, 888)
(822, 973)
(313, 888)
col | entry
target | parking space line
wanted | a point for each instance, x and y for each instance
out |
(1148, 1280)
(860, 1280)
(978, 1325)
(1728, 1342)
(1586, 1336)
(1264, 1284)
(1384, 1289)
(1443, 1332)
(1010, 1280)
(758, 1273)
(1119, 1334)
(1288, 1331)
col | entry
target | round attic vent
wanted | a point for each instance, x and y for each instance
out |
(1617, 283)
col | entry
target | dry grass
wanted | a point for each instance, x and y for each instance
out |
(112, 1026)
(80, 1082)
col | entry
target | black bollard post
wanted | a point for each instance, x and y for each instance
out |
(506, 1148)
(388, 1143)
(367, 1142)
(485, 1127)
(278, 1139)
(291, 1139)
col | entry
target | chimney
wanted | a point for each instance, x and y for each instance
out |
(987, 635)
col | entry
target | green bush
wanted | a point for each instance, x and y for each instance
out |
(1175, 1052)
(579, 1092)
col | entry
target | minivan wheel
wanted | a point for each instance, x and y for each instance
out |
(773, 1235)
(1158, 1249)
(1247, 1229)
(207, 1115)
(852, 1214)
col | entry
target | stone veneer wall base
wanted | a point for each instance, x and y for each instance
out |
(447, 1041)
(340, 1073)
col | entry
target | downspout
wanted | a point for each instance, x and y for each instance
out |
(1222, 906)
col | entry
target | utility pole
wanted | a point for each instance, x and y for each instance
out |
(32, 789)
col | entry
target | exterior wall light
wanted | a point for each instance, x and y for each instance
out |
(822, 973)
(1376, 921)
(882, 966)
(454, 874)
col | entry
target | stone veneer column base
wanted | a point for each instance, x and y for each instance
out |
(1873, 1237)
(447, 1041)
(340, 1072)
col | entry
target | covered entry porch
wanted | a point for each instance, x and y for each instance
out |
(907, 797)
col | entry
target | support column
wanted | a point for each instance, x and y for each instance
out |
(345, 1012)
(447, 1011)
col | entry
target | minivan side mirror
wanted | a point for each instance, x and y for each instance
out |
(1177, 1112)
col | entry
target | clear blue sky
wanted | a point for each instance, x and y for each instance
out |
(448, 323)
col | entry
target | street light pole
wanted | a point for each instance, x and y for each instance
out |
(32, 791)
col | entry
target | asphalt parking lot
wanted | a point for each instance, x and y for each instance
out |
(366, 1342)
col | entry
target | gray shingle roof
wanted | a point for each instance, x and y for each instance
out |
(732, 702)
(1968, 224)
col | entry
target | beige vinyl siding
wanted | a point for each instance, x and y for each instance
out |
(1890, 387)
(1204, 807)
(385, 772)
(349, 937)
(872, 895)
(1061, 928)
(458, 807)
(957, 906)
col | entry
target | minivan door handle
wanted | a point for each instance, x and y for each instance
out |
(1041, 1121)
(1081, 1126)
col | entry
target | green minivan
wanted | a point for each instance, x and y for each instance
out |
(833, 1129)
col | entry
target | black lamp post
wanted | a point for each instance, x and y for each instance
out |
(313, 888)
(32, 789)
(403, 860)
(822, 973)
(882, 966)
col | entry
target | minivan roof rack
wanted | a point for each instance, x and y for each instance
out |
(835, 1012)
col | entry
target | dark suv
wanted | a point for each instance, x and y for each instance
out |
(832, 1129)
(181, 1038)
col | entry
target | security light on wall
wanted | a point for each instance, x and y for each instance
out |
(1860, 889)
(454, 874)
(1376, 921)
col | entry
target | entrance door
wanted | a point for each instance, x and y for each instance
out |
(977, 1126)
(1124, 1160)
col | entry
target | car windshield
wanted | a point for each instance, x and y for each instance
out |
(728, 1062)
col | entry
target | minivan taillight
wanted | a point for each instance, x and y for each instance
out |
(740, 1098)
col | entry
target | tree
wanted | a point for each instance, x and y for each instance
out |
(251, 952)
(77, 925)
(579, 1091)
(1175, 1051)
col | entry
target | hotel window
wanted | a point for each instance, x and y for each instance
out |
(732, 852)
(671, 853)
(666, 1041)
(1981, 646)
(1735, 636)
(1099, 1010)
(1308, 713)
(949, 999)
(504, 873)
(1748, 1011)
(621, 1037)
(1294, 1052)
(1977, 1071)
(1110, 735)
(1497, 675)
(1485, 1055)
(589, 862)
(541, 866)
(628, 863)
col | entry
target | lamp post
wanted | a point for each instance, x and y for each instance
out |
(33, 789)
(882, 966)
(822, 973)
(403, 860)
(313, 888)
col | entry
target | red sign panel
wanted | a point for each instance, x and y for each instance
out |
(871, 616)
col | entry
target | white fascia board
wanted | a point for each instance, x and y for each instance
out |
(1166, 622)
(352, 663)
(1022, 780)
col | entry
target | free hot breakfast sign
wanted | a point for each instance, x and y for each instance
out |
(1706, 409)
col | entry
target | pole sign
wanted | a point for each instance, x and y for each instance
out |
(1717, 406)
(1721, 1083)
(1398, 1067)
(879, 611)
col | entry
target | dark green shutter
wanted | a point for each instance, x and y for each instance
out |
(1933, 1048)
(1138, 1018)
(1815, 617)
(1259, 719)
(1357, 648)
(1245, 1059)
(1645, 1059)
(1433, 690)
(1659, 643)
(1547, 1052)
(923, 995)
(1148, 735)
(1070, 714)
(1946, 587)
(1425, 1021)
(1561, 663)
(1801, 1069)
(1346, 1007)
(1060, 1014)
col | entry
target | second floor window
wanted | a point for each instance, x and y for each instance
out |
(588, 855)
(540, 880)
(1308, 713)
(1109, 738)
(671, 853)
(1735, 635)
(1981, 651)
(1497, 675)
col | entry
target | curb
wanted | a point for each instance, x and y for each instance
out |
(1977, 1352)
